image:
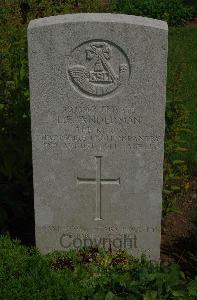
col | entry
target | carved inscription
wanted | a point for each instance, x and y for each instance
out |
(109, 229)
(98, 75)
(101, 127)
(106, 142)
(106, 236)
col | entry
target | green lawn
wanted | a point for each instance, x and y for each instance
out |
(182, 79)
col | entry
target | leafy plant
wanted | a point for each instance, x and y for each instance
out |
(16, 199)
(87, 274)
(175, 12)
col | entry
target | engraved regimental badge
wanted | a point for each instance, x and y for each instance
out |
(98, 68)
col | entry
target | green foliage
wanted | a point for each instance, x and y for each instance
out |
(180, 138)
(182, 60)
(87, 274)
(175, 12)
(43, 8)
(15, 143)
(192, 3)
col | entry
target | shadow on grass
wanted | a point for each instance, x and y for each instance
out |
(184, 252)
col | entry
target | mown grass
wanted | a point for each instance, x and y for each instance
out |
(182, 77)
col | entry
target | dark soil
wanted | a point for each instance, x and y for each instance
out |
(63, 263)
(191, 23)
(179, 233)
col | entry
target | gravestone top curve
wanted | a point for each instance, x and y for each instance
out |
(99, 17)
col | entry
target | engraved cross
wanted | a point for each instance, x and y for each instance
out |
(98, 181)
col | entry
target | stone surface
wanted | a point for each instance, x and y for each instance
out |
(97, 105)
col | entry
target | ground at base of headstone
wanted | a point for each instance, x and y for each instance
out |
(89, 273)
(179, 233)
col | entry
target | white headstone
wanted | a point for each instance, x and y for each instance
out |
(98, 105)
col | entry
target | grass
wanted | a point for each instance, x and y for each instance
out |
(182, 76)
